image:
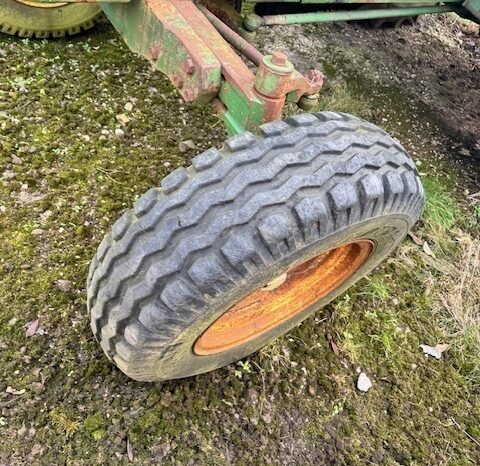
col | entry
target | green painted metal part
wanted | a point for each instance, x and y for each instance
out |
(159, 32)
(170, 33)
(253, 22)
(241, 113)
(473, 6)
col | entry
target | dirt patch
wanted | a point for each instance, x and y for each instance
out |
(432, 68)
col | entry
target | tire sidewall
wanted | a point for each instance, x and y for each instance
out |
(55, 19)
(179, 360)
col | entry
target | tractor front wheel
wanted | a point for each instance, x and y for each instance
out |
(236, 250)
(29, 18)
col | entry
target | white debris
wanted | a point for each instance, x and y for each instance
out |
(435, 351)
(363, 382)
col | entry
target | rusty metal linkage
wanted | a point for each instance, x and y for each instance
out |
(232, 37)
(186, 42)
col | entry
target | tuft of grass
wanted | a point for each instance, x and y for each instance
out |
(377, 289)
(63, 423)
(459, 308)
(388, 333)
(340, 97)
(441, 211)
(349, 343)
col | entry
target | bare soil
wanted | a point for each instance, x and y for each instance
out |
(432, 67)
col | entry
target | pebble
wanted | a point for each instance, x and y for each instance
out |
(37, 232)
(119, 132)
(16, 160)
(185, 146)
(64, 285)
(363, 382)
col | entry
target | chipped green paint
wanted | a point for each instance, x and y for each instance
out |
(253, 22)
(473, 6)
(159, 32)
(242, 113)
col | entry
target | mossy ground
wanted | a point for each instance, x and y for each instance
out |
(62, 186)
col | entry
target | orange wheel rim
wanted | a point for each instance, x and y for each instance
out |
(288, 295)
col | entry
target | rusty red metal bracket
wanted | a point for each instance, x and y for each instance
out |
(182, 41)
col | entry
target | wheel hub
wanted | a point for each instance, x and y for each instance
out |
(284, 297)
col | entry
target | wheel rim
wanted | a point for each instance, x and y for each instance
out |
(35, 4)
(284, 297)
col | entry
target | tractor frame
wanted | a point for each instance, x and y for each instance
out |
(193, 44)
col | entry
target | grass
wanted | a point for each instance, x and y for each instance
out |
(340, 97)
(456, 274)
(441, 211)
(458, 301)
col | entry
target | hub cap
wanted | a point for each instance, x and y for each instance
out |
(284, 297)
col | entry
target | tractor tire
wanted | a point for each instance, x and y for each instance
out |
(28, 18)
(241, 247)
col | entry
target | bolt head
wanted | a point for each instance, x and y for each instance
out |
(279, 58)
(315, 77)
(189, 66)
(155, 51)
(189, 94)
(177, 81)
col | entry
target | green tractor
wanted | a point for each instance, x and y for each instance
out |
(235, 250)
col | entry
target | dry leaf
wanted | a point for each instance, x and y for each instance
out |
(427, 250)
(442, 347)
(122, 119)
(129, 450)
(185, 146)
(12, 391)
(435, 351)
(32, 328)
(431, 351)
(416, 239)
(333, 345)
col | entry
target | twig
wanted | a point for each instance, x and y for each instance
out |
(465, 432)
(105, 172)
(263, 384)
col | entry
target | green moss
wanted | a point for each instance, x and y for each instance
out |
(94, 423)
(63, 422)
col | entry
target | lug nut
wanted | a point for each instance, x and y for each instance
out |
(279, 58)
